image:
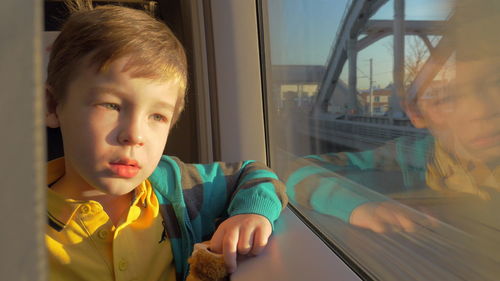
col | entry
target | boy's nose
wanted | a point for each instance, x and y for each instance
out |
(131, 140)
(131, 136)
(484, 107)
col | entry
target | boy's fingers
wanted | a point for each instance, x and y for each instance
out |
(260, 240)
(377, 226)
(406, 223)
(388, 216)
(245, 242)
(216, 241)
(395, 221)
(229, 245)
(384, 221)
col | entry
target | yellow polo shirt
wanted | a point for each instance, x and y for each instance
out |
(83, 244)
(446, 171)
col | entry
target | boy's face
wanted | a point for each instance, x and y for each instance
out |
(466, 120)
(114, 127)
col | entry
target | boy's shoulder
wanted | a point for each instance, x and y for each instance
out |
(173, 172)
(174, 165)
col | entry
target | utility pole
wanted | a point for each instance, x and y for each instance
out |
(371, 87)
(352, 56)
(399, 56)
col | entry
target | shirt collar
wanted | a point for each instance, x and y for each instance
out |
(447, 171)
(61, 210)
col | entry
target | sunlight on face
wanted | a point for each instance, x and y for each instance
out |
(466, 117)
(114, 127)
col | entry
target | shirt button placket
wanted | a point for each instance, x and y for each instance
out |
(85, 209)
(103, 234)
(122, 265)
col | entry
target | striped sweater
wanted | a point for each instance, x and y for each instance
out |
(337, 183)
(194, 198)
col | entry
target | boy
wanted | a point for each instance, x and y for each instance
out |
(117, 208)
(460, 158)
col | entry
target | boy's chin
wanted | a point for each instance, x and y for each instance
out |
(489, 156)
(117, 187)
(492, 159)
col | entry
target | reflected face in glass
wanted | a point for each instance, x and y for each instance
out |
(114, 127)
(465, 117)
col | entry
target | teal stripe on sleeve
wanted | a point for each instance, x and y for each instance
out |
(261, 200)
(338, 199)
(214, 188)
(258, 174)
(299, 175)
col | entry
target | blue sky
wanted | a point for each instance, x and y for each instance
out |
(302, 32)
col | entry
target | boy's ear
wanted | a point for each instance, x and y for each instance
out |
(415, 116)
(51, 118)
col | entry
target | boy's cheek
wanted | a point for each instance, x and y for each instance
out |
(432, 115)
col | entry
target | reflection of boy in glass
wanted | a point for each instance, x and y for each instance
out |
(461, 157)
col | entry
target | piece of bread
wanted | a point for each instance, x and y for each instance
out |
(206, 265)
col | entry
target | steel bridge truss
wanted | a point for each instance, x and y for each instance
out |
(357, 32)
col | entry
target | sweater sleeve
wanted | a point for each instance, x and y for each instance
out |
(218, 190)
(253, 188)
(332, 183)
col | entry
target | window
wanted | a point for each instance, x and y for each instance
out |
(393, 154)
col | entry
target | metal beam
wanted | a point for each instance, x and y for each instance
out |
(352, 55)
(378, 29)
(432, 66)
(358, 14)
(399, 54)
(372, 38)
(429, 27)
(427, 42)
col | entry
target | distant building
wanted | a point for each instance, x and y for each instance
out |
(381, 99)
(295, 86)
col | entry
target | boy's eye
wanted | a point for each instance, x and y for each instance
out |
(446, 99)
(159, 118)
(111, 106)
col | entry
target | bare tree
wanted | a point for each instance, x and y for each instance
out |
(417, 54)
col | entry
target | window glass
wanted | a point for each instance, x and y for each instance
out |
(416, 10)
(384, 120)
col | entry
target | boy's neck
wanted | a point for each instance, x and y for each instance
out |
(115, 206)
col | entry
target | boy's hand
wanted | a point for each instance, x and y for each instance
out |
(241, 234)
(388, 217)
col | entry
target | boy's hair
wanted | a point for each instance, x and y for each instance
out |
(475, 30)
(471, 31)
(107, 33)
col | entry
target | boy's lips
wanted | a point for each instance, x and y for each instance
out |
(126, 168)
(486, 140)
